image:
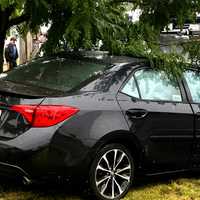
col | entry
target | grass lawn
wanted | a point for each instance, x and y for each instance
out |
(177, 187)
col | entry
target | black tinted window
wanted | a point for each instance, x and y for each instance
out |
(59, 74)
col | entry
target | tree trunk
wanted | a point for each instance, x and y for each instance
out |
(4, 19)
(2, 41)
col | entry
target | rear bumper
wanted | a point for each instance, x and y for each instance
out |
(68, 159)
(49, 152)
(43, 166)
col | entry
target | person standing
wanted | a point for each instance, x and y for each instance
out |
(11, 53)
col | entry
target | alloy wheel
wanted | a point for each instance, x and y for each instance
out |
(113, 174)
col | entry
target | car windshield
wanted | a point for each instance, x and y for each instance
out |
(57, 74)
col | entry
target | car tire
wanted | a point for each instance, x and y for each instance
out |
(112, 172)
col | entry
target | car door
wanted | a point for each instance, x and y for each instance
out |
(192, 85)
(158, 113)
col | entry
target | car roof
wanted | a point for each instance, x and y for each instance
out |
(99, 56)
(124, 60)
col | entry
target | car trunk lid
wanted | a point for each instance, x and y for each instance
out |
(12, 122)
(31, 91)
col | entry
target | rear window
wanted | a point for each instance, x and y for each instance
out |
(57, 74)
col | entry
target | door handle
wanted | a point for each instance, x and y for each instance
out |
(136, 113)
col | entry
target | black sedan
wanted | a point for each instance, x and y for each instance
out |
(63, 117)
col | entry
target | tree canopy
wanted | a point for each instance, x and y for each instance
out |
(160, 12)
(79, 24)
(15, 12)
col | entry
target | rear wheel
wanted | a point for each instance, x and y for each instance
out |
(112, 172)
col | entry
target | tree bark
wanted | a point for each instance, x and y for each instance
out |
(2, 42)
(18, 20)
(3, 30)
(4, 19)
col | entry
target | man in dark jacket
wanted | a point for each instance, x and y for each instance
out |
(11, 53)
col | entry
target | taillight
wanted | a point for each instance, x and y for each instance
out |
(44, 115)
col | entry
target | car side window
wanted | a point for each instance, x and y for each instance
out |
(155, 85)
(193, 81)
(130, 88)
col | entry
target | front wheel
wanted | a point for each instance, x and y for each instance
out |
(112, 172)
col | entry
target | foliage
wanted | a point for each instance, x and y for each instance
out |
(173, 63)
(80, 24)
(14, 12)
(193, 49)
(18, 11)
(91, 21)
(142, 40)
(160, 12)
